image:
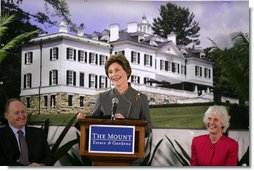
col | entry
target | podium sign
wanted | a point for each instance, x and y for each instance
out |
(111, 139)
(112, 142)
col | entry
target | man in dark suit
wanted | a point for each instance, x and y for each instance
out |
(39, 153)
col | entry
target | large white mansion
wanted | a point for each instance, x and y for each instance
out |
(63, 72)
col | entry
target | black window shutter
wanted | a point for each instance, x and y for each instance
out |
(25, 58)
(67, 77)
(132, 56)
(151, 60)
(100, 59)
(95, 81)
(90, 54)
(50, 54)
(67, 53)
(138, 58)
(24, 81)
(50, 77)
(96, 59)
(31, 57)
(57, 53)
(74, 78)
(89, 80)
(79, 52)
(85, 57)
(74, 54)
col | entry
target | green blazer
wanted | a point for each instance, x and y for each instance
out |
(132, 105)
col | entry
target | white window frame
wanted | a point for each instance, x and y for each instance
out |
(54, 77)
(103, 83)
(92, 81)
(92, 58)
(28, 58)
(54, 54)
(71, 54)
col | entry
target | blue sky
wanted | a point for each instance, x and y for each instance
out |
(217, 19)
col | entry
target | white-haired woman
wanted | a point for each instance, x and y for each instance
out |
(215, 148)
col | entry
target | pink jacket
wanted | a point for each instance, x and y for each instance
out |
(223, 153)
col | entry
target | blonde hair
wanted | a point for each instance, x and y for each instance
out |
(221, 112)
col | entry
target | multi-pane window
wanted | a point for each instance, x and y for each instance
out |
(135, 79)
(53, 77)
(28, 58)
(81, 101)
(71, 77)
(54, 53)
(82, 56)
(103, 82)
(103, 59)
(174, 67)
(71, 54)
(146, 81)
(198, 71)
(167, 66)
(162, 65)
(53, 101)
(147, 60)
(70, 97)
(28, 80)
(92, 81)
(93, 58)
(81, 79)
(135, 57)
(207, 73)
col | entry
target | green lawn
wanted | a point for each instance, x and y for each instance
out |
(171, 117)
(178, 117)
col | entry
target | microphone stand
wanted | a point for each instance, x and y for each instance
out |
(113, 116)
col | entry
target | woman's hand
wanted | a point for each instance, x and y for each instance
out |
(119, 115)
(81, 116)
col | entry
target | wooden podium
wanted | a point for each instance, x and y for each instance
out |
(109, 159)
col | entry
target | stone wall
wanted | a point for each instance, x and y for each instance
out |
(89, 101)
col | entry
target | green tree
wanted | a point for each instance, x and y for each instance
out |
(234, 66)
(10, 59)
(13, 43)
(178, 20)
(54, 10)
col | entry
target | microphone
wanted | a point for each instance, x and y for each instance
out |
(115, 102)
